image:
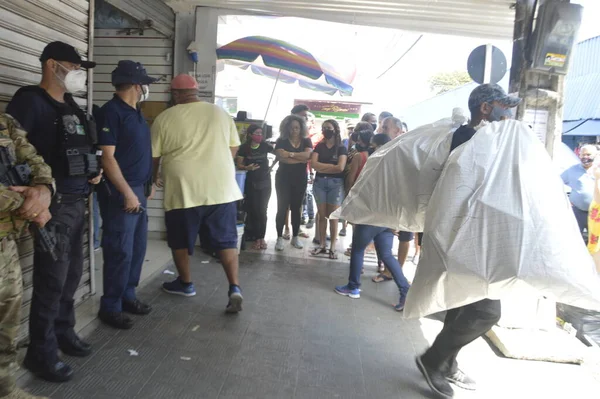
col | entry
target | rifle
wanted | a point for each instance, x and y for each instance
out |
(18, 175)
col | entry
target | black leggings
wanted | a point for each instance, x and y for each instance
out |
(290, 194)
(257, 200)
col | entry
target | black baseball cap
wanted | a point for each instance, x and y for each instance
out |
(59, 51)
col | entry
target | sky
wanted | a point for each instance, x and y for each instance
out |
(369, 51)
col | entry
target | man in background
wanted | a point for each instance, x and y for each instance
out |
(196, 142)
(580, 179)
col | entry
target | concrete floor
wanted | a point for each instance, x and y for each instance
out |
(295, 338)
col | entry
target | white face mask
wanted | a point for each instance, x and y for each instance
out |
(74, 81)
(145, 93)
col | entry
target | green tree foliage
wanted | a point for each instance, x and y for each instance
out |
(445, 81)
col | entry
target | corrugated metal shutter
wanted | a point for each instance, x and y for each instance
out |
(26, 26)
(154, 49)
(161, 15)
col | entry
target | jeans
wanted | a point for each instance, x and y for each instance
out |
(462, 326)
(97, 221)
(384, 240)
(308, 206)
(256, 204)
(52, 313)
(124, 240)
(290, 194)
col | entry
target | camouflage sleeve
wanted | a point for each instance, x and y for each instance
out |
(26, 153)
(9, 200)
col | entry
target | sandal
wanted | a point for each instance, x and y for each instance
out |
(332, 254)
(264, 245)
(380, 278)
(319, 251)
(257, 246)
(286, 235)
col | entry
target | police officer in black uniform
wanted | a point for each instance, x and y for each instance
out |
(64, 136)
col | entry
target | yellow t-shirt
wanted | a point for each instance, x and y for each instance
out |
(194, 142)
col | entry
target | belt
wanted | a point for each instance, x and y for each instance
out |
(68, 198)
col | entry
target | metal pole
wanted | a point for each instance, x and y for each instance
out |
(487, 69)
(271, 99)
(90, 103)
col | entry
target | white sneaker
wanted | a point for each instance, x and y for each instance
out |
(296, 243)
(279, 244)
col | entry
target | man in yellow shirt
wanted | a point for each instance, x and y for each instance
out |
(196, 142)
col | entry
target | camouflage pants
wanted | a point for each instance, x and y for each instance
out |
(11, 292)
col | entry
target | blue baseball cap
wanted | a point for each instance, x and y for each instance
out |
(488, 93)
(131, 72)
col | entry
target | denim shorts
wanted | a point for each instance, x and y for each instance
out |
(328, 190)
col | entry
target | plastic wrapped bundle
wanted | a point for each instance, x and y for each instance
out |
(395, 186)
(499, 225)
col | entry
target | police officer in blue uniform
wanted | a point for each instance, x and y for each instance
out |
(64, 137)
(124, 138)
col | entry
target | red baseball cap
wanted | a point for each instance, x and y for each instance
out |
(184, 82)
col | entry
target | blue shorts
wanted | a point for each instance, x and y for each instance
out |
(329, 190)
(405, 236)
(219, 223)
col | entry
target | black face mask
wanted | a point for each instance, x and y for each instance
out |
(374, 126)
(328, 133)
(360, 148)
(371, 150)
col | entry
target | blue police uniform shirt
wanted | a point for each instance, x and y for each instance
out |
(37, 112)
(582, 186)
(124, 127)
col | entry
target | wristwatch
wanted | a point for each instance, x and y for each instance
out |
(291, 155)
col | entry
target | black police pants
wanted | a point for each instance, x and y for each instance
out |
(55, 282)
(462, 326)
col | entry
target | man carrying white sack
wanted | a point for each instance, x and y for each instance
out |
(463, 325)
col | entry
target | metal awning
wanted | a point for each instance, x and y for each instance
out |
(586, 127)
(485, 19)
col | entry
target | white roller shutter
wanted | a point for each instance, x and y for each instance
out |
(153, 47)
(26, 26)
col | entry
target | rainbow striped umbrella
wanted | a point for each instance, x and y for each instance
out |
(283, 56)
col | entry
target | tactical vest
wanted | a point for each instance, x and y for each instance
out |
(76, 138)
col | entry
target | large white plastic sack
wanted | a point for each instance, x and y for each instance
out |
(499, 225)
(397, 181)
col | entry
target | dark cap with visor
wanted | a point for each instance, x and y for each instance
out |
(488, 93)
(59, 51)
(131, 72)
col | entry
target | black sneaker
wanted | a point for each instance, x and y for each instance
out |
(136, 307)
(462, 380)
(116, 320)
(436, 380)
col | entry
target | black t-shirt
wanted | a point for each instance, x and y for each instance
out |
(256, 156)
(330, 156)
(292, 171)
(461, 135)
(37, 112)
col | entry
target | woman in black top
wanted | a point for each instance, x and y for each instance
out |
(252, 157)
(329, 160)
(293, 151)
